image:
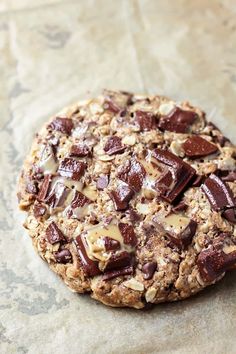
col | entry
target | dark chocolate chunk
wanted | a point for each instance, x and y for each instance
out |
(114, 146)
(90, 267)
(229, 177)
(181, 206)
(133, 173)
(196, 147)
(79, 200)
(102, 182)
(54, 234)
(63, 125)
(39, 210)
(121, 197)
(111, 106)
(128, 234)
(220, 197)
(175, 176)
(63, 256)
(198, 181)
(133, 215)
(118, 272)
(177, 121)
(80, 150)
(111, 244)
(184, 237)
(148, 270)
(44, 188)
(217, 258)
(145, 120)
(57, 195)
(118, 260)
(31, 187)
(71, 168)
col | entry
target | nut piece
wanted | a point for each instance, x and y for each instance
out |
(134, 284)
(150, 294)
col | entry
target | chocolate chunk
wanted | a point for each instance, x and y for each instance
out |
(114, 146)
(111, 244)
(111, 106)
(80, 150)
(133, 215)
(54, 234)
(181, 206)
(121, 197)
(44, 188)
(217, 258)
(102, 182)
(90, 267)
(118, 260)
(175, 177)
(31, 187)
(177, 121)
(118, 272)
(198, 181)
(39, 210)
(71, 168)
(63, 125)
(63, 256)
(79, 200)
(148, 270)
(196, 147)
(145, 120)
(58, 195)
(185, 237)
(133, 173)
(220, 197)
(230, 176)
(128, 234)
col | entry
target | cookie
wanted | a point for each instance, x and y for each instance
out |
(132, 199)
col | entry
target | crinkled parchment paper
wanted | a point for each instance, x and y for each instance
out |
(53, 53)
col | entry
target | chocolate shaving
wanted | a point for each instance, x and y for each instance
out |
(181, 206)
(44, 188)
(217, 258)
(80, 150)
(177, 121)
(230, 176)
(145, 120)
(63, 256)
(128, 234)
(54, 234)
(133, 173)
(63, 125)
(111, 106)
(102, 182)
(175, 177)
(198, 181)
(121, 197)
(114, 146)
(196, 147)
(90, 267)
(118, 272)
(71, 168)
(111, 244)
(220, 196)
(148, 270)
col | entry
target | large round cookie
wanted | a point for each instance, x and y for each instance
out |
(132, 199)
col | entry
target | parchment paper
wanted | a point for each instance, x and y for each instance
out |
(53, 53)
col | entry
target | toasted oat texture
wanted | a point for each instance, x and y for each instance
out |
(132, 199)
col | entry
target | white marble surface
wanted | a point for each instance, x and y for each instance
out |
(54, 52)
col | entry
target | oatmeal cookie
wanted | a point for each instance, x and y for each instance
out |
(132, 199)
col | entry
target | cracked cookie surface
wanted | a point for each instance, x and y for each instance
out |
(132, 199)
